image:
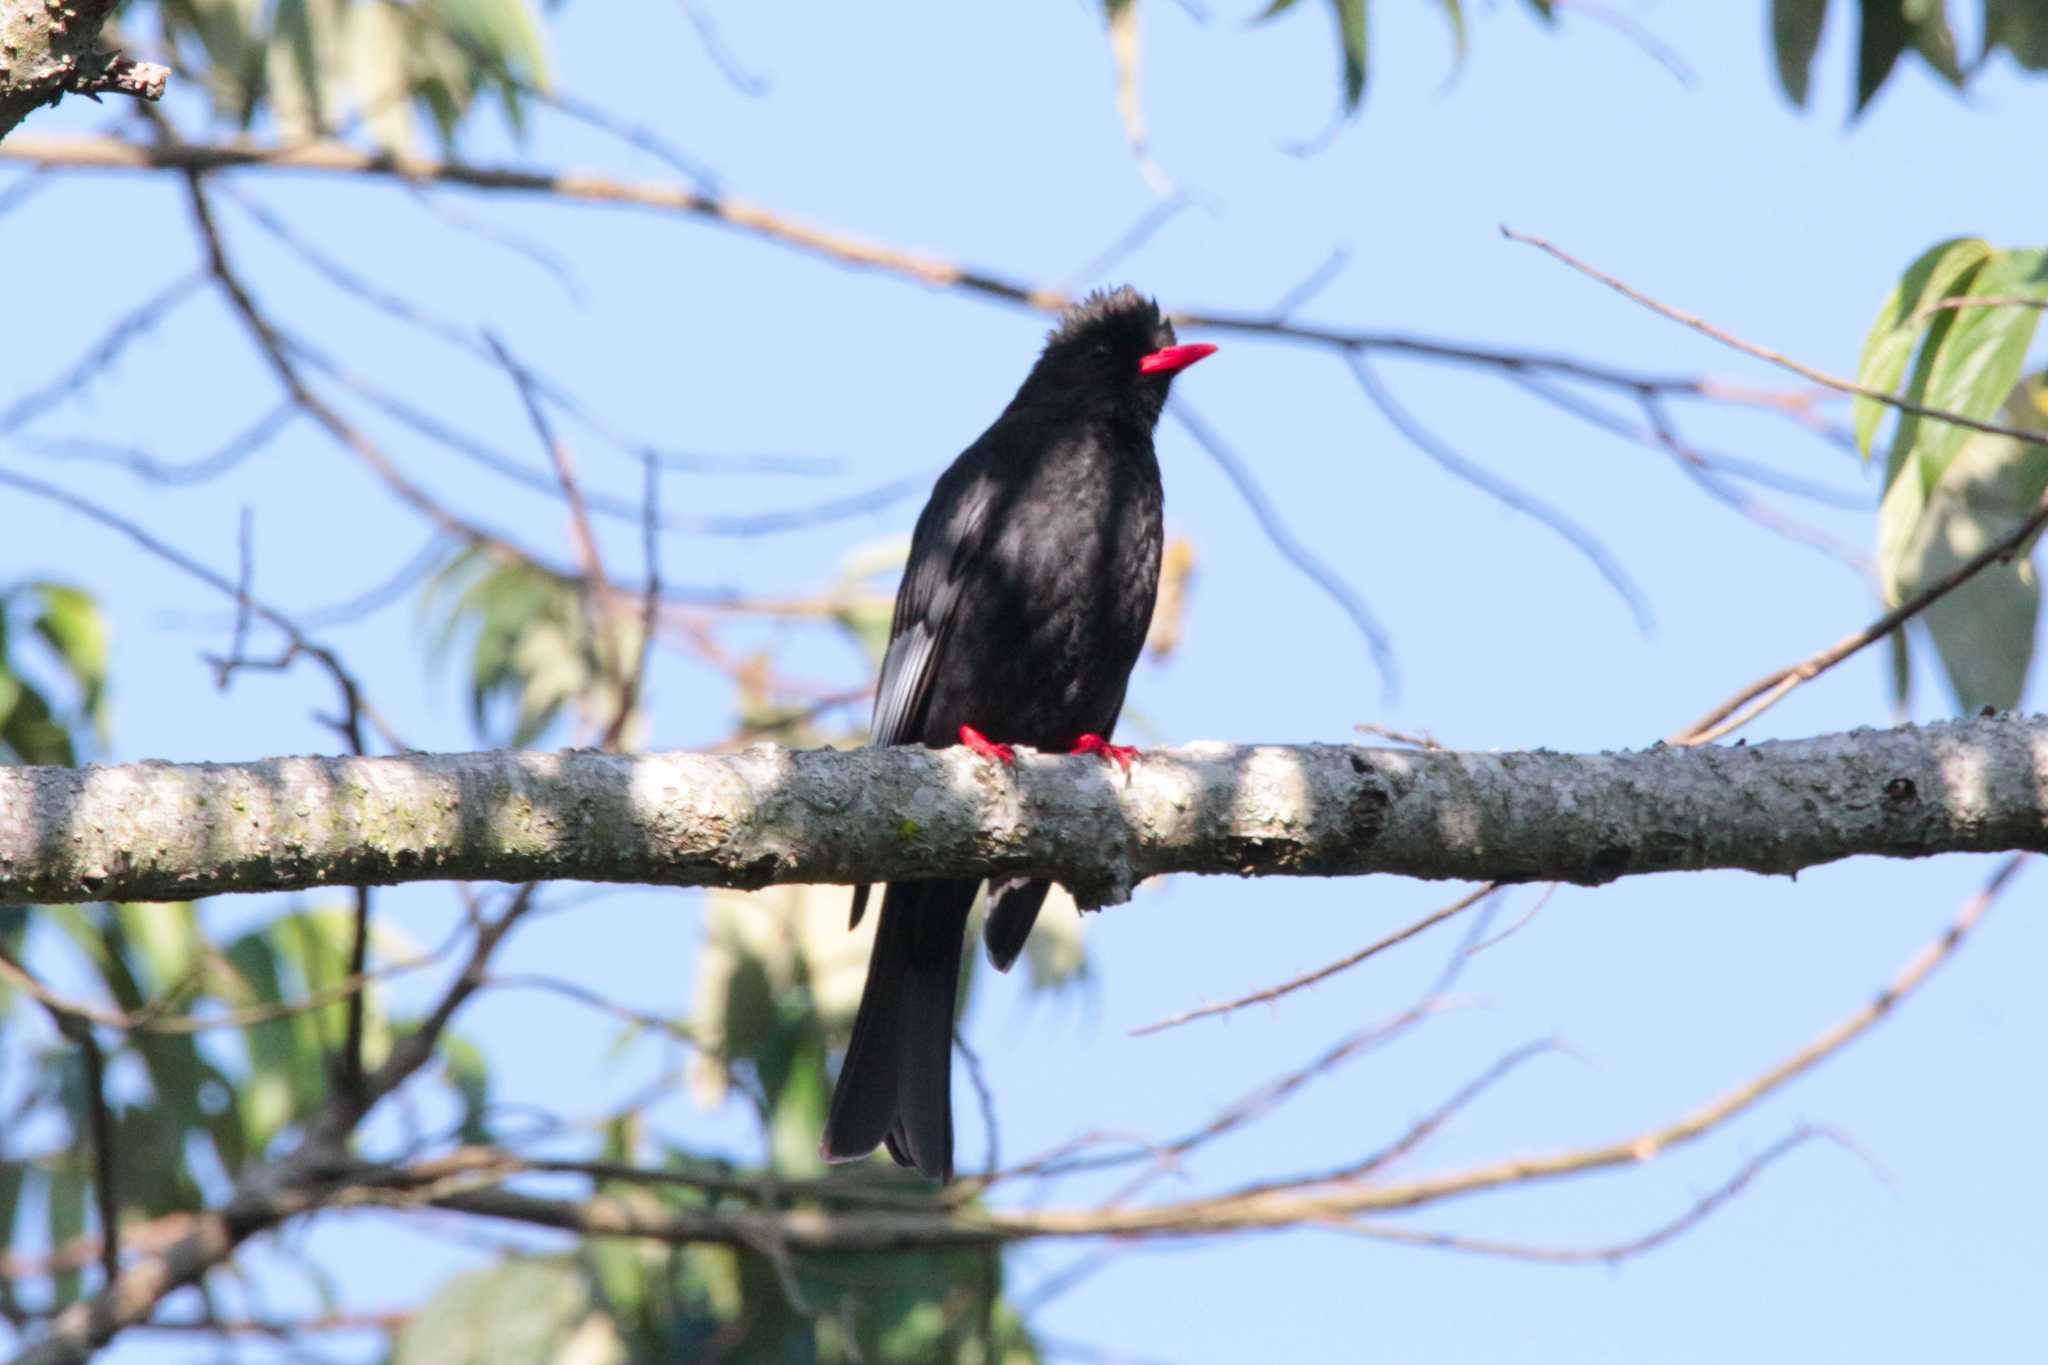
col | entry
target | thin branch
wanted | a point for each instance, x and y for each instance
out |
(650, 610)
(1778, 358)
(1502, 491)
(1291, 549)
(1767, 691)
(843, 248)
(157, 1016)
(1653, 47)
(1308, 1202)
(721, 55)
(140, 463)
(1614, 1253)
(300, 1182)
(1324, 973)
(132, 325)
(356, 708)
(272, 346)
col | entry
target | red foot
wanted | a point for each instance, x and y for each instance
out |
(1119, 754)
(986, 747)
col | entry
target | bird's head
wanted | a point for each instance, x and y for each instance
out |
(1114, 350)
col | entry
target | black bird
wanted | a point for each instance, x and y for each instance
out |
(1024, 604)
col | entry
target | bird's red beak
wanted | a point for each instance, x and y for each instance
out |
(1174, 359)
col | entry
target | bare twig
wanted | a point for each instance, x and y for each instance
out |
(1655, 48)
(1613, 1253)
(1292, 550)
(1767, 691)
(356, 708)
(1502, 491)
(1325, 972)
(844, 248)
(129, 327)
(721, 55)
(650, 609)
(1778, 358)
(142, 464)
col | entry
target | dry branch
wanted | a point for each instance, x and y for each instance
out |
(50, 48)
(766, 815)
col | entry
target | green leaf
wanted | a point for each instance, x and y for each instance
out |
(800, 1107)
(13, 1176)
(1934, 40)
(1984, 630)
(71, 625)
(1351, 35)
(265, 1103)
(1350, 17)
(469, 1075)
(64, 1194)
(1971, 365)
(29, 730)
(1545, 10)
(1795, 34)
(2021, 27)
(521, 1311)
(1942, 270)
(1454, 14)
(1885, 34)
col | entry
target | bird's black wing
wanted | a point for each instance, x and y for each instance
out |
(949, 537)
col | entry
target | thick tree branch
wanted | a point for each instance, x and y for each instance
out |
(50, 48)
(156, 831)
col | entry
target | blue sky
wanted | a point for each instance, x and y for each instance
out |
(990, 138)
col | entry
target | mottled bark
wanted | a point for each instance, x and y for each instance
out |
(50, 48)
(158, 831)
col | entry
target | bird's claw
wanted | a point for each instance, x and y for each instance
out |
(1119, 754)
(986, 747)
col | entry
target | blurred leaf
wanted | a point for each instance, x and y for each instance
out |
(522, 1311)
(71, 625)
(304, 39)
(1984, 631)
(163, 943)
(2021, 27)
(28, 729)
(1933, 39)
(13, 1176)
(1169, 611)
(266, 1100)
(1795, 34)
(1351, 36)
(534, 651)
(1969, 366)
(1545, 10)
(14, 923)
(801, 1101)
(64, 1195)
(1890, 27)
(1454, 14)
(1944, 269)
(312, 63)
(1885, 34)
(470, 1077)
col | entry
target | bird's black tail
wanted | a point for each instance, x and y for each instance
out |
(1013, 907)
(896, 1085)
